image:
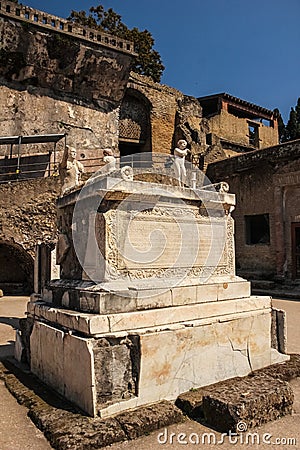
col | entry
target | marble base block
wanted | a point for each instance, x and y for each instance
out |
(106, 363)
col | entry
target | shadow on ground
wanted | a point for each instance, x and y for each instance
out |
(11, 321)
(40, 390)
(7, 350)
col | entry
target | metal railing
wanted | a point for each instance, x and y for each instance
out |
(148, 166)
(12, 172)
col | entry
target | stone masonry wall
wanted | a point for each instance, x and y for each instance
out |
(254, 195)
(265, 182)
(235, 129)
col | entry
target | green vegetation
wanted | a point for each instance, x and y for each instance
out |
(291, 130)
(148, 62)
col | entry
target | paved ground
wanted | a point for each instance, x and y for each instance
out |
(18, 433)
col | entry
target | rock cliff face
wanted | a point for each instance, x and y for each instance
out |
(28, 212)
(55, 83)
(85, 71)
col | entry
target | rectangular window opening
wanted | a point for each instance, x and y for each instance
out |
(208, 139)
(257, 229)
(253, 135)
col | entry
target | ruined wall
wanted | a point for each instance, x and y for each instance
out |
(235, 129)
(268, 136)
(287, 205)
(27, 217)
(173, 115)
(28, 212)
(265, 182)
(254, 195)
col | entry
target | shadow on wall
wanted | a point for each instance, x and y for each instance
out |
(27, 167)
(16, 269)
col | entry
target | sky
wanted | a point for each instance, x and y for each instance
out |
(249, 49)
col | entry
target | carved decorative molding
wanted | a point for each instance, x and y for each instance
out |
(115, 262)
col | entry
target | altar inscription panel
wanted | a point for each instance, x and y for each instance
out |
(165, 239)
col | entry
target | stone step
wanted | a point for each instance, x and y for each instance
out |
(117, 297)
(238, 404)
(91, 324)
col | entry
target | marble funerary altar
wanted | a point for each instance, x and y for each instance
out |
(148, 304)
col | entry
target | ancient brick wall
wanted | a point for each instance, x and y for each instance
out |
(254, 196)
(172, 115)
(268, 136)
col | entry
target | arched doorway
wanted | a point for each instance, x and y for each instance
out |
(134, 124)
(16, 269)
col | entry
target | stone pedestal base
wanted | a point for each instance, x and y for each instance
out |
(106, 363)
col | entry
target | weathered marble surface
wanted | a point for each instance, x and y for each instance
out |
(117, 297)
(168, 359)
(137, 230)
(148, 329)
